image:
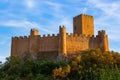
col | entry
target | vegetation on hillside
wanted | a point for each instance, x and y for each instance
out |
(90, 65)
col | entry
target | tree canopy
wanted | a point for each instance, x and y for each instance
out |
(90, 65)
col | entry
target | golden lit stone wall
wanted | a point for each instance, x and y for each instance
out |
(50, 43)
(77, 43)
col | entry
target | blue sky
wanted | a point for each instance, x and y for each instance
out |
(17, 17)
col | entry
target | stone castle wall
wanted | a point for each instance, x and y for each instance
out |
(48, 43)
(74, 43)
(49, 46)
(34, 44)
(19, 45)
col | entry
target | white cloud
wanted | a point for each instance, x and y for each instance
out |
(56, 6)
(14, 23)
(55, 9)
(23, 24)
(109, 8)
(30, 3)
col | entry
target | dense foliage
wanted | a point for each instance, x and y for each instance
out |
(90, 65)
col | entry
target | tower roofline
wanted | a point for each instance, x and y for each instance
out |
(83, 15)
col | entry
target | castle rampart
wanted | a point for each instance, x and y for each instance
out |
(62, 43)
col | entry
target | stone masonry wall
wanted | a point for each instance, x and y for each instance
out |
(77, 43)
(19, 45)
(48, 43)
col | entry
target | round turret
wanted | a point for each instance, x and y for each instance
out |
(34, 32)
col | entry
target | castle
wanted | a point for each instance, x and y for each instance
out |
(52, 46)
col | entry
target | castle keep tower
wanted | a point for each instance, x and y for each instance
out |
(83, 24)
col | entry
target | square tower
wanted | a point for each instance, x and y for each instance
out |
(83, 24)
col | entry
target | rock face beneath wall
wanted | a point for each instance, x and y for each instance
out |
(56, 47)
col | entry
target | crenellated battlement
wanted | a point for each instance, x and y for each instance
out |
(61, 26)
(49, 35)
(94, 37)
(40, 36)
(83, 15)
(72, 35)
(20, 37)
(101, 32)
(86, 15)
(77, 35)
